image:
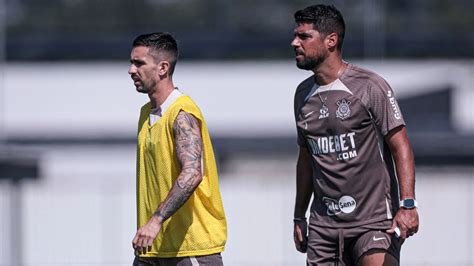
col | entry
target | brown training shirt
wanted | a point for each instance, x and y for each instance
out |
(343, 125)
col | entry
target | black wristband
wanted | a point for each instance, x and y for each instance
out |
(299, 219)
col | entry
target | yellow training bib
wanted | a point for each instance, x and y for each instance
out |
(199, 226)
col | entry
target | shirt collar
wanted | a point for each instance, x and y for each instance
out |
(175, 94)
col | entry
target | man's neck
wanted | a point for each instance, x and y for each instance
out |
(158, 97)
(330, 70)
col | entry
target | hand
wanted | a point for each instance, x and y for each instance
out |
(146, 234)
(300, 235)
(407, 221)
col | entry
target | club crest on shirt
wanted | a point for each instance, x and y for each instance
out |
(343, 110)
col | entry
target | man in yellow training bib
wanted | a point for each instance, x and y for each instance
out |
(180, 217)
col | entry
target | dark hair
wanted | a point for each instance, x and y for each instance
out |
(160, 44)
(326, 19)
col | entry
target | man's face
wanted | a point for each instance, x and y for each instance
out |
(309, 47)
(143, 70)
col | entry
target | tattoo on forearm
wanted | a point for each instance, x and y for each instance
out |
(187, 133)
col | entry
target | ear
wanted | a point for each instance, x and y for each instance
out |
(163, 68)
(331, 41)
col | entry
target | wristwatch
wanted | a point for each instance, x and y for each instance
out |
(408, 203)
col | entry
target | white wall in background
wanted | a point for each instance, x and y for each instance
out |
(237, 98)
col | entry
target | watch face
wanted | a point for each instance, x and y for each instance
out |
(408, 203)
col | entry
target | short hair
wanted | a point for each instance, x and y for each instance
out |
(160, 43)
(326, 19)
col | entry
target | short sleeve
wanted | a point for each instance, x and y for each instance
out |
(300, 137)
(383, 106)
(302, 91)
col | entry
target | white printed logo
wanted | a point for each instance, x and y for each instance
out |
(346, 204)
(323, 112)
(391, 99)
(378, 238)
(343, 145)
(343, 111)
(308, 114)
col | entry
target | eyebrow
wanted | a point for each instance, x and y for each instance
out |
(136, 61)
(302, 34)
(307, 32)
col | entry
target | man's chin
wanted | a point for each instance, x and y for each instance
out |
(308, 64)
(303, 65)
(141, 90)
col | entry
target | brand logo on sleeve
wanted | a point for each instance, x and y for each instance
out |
(393, 103)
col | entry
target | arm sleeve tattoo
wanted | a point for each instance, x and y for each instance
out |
(187, 134)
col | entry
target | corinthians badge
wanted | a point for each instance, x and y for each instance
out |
(343, 111)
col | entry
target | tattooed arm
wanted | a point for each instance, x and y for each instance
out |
(187, 134)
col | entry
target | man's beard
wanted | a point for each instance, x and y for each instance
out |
(310, 63)
(146, 89)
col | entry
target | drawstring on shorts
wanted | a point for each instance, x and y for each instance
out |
(340, 247)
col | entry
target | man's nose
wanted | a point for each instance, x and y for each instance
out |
(295, 42)
(132, 69)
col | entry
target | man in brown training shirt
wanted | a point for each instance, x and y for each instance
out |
(354, 158)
